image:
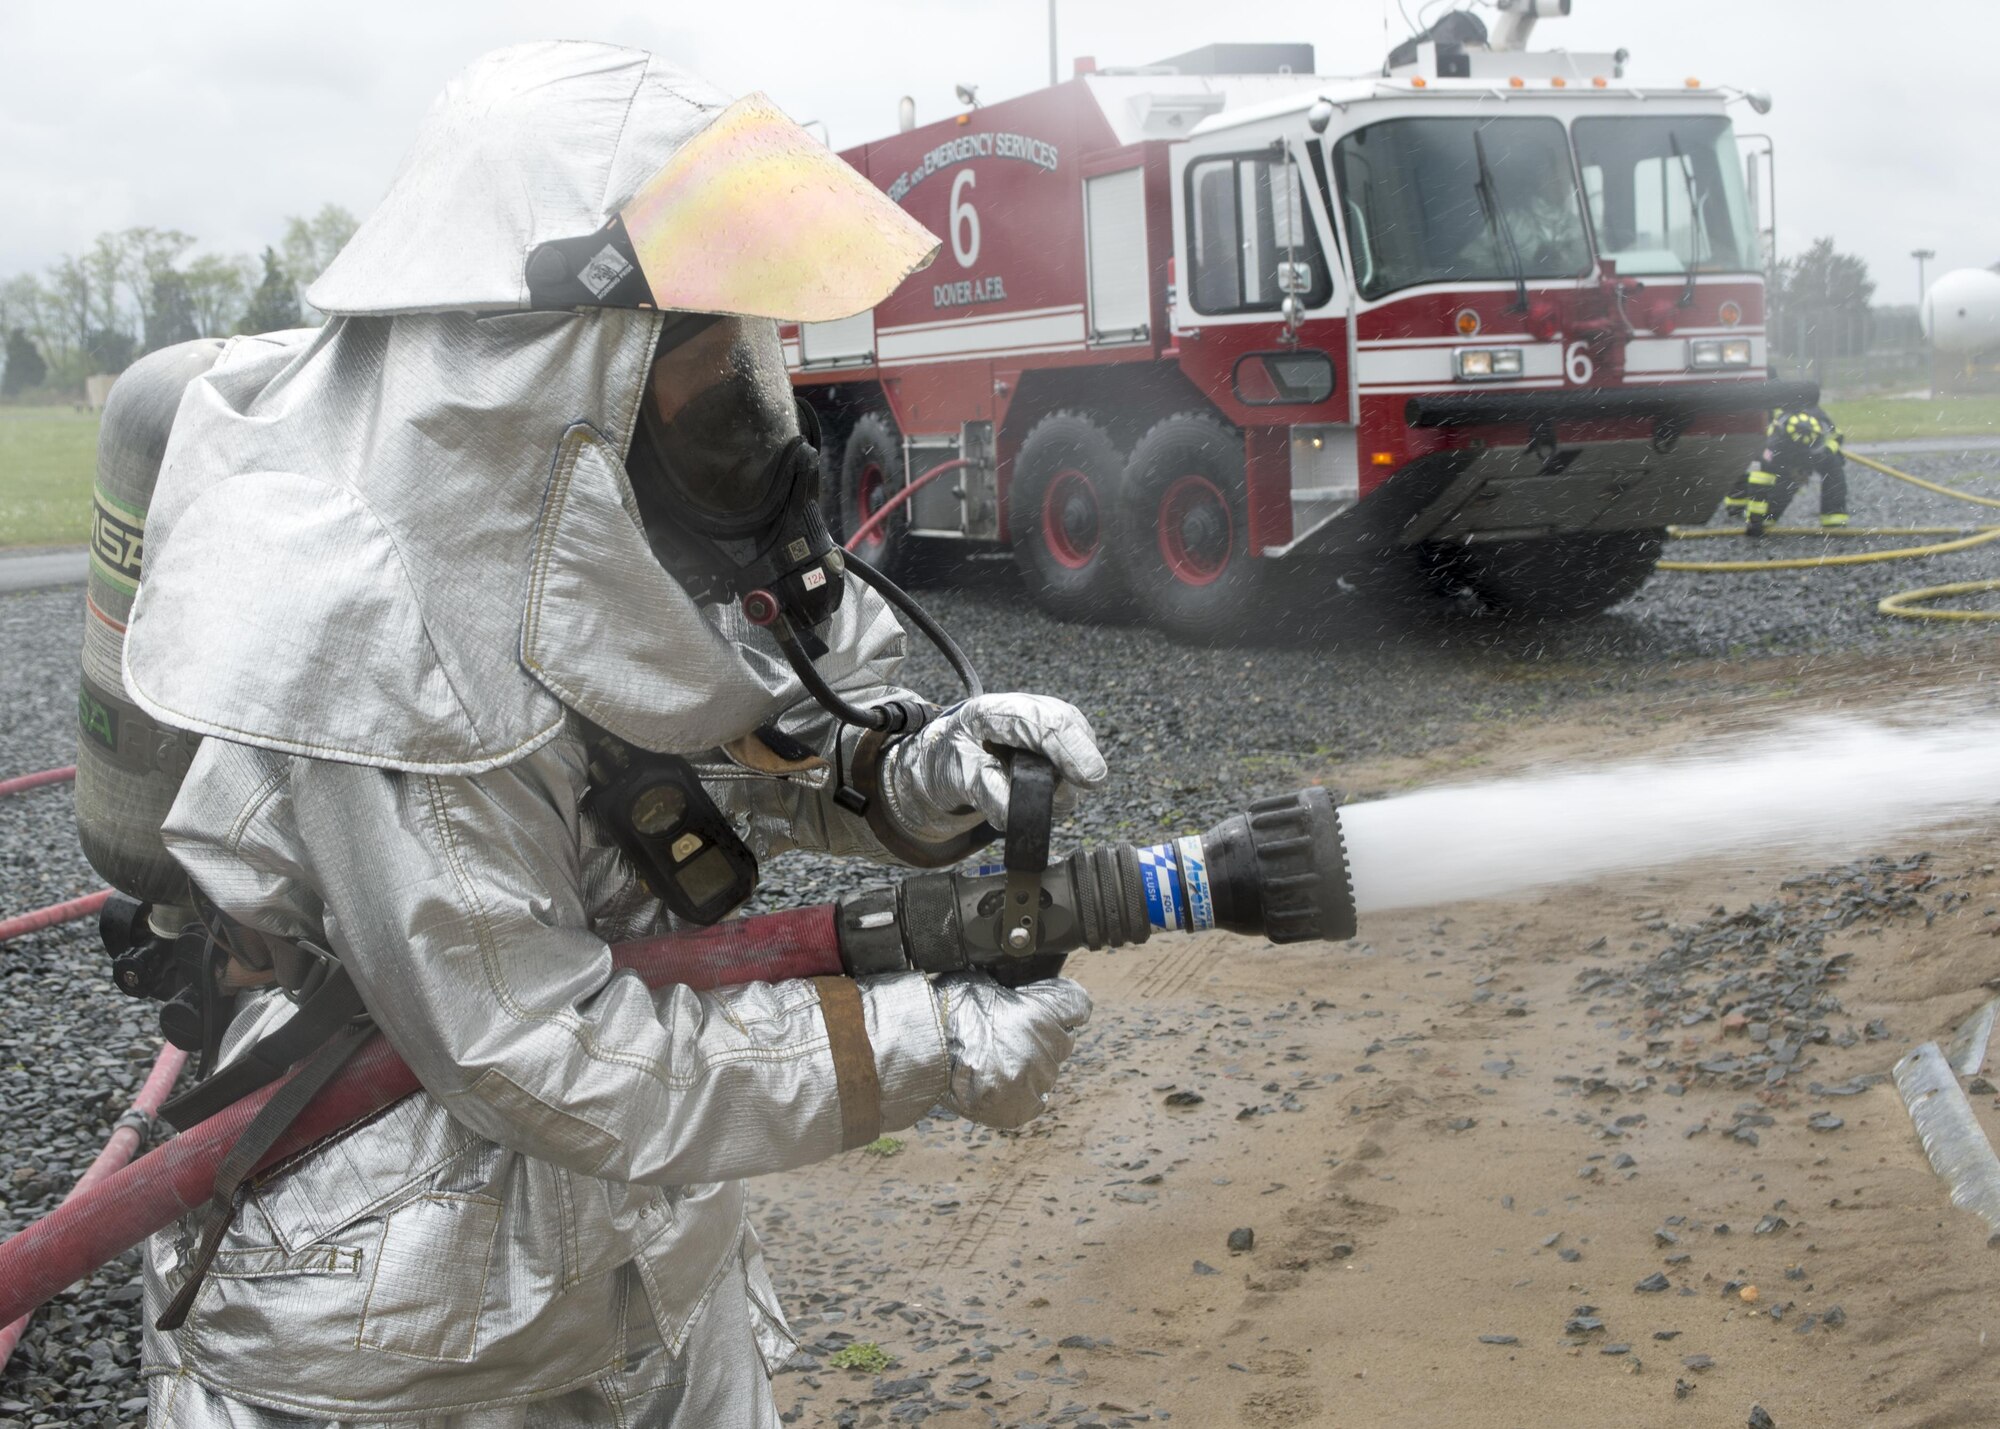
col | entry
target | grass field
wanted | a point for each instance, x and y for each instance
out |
(46, 459)
(1888, 419)
(47, 453)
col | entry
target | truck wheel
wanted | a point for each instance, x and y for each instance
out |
(1183, 535)
(1059, 507)
(871, 471)
(1560, 576)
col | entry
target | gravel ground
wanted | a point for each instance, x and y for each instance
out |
(1191, 733)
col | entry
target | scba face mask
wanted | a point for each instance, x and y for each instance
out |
(750, 222)
(725, 466)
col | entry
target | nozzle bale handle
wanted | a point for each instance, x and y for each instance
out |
(1031, 813)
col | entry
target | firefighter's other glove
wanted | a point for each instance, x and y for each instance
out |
(946, 777)
(1007, 1044)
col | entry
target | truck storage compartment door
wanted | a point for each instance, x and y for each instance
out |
(1115, 244)
(844, 342)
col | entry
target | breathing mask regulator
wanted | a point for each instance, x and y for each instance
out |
(724, 465)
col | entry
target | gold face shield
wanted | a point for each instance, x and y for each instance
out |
(751, 217)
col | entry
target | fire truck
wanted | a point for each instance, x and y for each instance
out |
(1205, 330)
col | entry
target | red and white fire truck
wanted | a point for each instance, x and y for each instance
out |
(1489, 314)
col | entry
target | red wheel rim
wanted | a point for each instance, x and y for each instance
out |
(870, 492)
(1070, 526)
(1197, 530)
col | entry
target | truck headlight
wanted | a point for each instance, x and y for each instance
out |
(1712, 352)
(1482, 363)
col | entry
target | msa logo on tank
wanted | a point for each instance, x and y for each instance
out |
(97, 719)
(117, 541)
(962, 223)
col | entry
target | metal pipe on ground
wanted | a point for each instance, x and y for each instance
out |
(116, 1153)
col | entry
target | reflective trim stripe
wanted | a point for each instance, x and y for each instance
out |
(1762, 478)
(856, 1080)
(1837, 518)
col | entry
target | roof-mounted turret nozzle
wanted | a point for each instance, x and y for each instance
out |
(1517, 21)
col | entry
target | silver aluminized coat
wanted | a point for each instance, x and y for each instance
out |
(389, 563)
(579, 1139)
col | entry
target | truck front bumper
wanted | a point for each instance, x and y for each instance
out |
(1471, 495)
(1511, 493)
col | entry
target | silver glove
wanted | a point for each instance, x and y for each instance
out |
(1007, 1043)
(945, 778)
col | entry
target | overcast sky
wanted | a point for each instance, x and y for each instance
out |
(220, 117)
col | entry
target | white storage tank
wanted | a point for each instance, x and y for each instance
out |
(1961, 315)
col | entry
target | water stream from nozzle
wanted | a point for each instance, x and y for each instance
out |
(1831, 787)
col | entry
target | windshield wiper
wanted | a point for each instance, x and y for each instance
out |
(1489, 204)
(1694, 216)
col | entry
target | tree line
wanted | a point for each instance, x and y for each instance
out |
(1820, 304)
(142, 289)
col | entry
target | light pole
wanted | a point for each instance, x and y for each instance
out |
(1923, 257)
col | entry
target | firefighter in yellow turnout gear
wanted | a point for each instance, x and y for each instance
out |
(1798, 444)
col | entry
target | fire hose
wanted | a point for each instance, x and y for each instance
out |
(21, 784)
(1278, 870)
(117, 1152)
(56, 914)
(1909, 604)
(881, 514)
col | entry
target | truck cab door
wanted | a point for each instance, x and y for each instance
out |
(1250, 230)
(1261, 321)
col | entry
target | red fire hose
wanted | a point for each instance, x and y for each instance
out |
(22, 783)
(57, 913)
(116, 1213)
(117, 1151)
(54, 915)
(881, 513)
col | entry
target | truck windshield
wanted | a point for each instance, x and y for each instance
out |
(1409, 191)
(1666, 192)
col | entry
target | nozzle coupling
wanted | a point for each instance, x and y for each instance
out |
(1277, 871)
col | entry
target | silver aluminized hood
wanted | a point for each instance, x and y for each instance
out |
(529, 143)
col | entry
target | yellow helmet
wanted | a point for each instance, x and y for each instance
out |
(1804, 429)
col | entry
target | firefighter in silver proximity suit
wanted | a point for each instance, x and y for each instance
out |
(396, 571)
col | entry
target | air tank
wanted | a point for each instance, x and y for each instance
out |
(1961, 314)
(128, 767)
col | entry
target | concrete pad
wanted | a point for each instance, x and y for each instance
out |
(43, 566)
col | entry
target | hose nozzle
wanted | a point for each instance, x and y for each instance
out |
(1278, 871)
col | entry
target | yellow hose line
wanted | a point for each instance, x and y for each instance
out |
(1711, 533)
(1873, 465)
(1904, 603)
(1857, 558)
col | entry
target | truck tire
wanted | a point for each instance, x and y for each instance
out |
(871, 471)
(1560, 576)
(1183, 535)
(1060, 503)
